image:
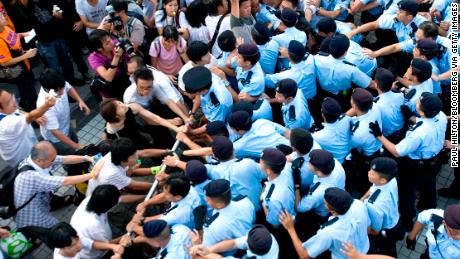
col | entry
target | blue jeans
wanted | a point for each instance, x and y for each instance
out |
(55, 55)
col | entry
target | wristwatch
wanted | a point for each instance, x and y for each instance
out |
(113, 66)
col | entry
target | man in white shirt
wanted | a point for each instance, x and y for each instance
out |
(57, 128)
(217, 12)
(16, 134)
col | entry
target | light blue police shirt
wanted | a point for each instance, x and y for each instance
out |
(411, 100)
(251, 81)
(181, 212)
(389, 104)
(335, 137)
(355, 56)
(301, 117)
(268, 56)
(216, 111)
(382, 205)
(361, 138)
(403, 32)
(306, 175)
(283, 39)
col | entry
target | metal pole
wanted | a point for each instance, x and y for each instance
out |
(162, 168)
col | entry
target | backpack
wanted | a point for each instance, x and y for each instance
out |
(7, 208)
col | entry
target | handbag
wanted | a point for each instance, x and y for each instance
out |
(10, 72)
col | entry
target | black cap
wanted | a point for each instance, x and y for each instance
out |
(262, 30)
(410, 6)
(222, 147)
(331, 107)
(273, 156)
(289, 17)
(287, 87)
(301, 139)
(431, 104)
(195, 171)
(197, 79)
(385, 165)
(322, 160)
(296, 49)
(384, 75)
(452, 216)
(217, 188)
(259, 240)
(326, 25)
(324, 47)
(338, 199)
(362, 98)
(154, 228)
(243, 106)
(248, 49)
(239, 120)
(421, 64)
(427, 45)
(214, 127)
(339, 45)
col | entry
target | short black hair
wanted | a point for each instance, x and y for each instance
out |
(330, 118)
(276, 169)
(61, 234)
(120, 5)
(253, 59)
(196, 13)
(95, 39)
(422, 75)
(430, 29)
(226, 41)
(384, 86)
(103, 198)
(138, 59)
(429, 54)
(213, 6)
(143, 73)
(51, 79)
(121, 149)
(294, 58)
(197, 50)
(364, 107)
(258, 38)
(178, 185)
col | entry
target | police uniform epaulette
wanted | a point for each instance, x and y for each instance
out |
(270, 10)
(322, 53)
(257, 104)
(410, 94)
(211, 219)
(414, 29)
(292, 113)
(170, 209)
(238, 159)
(214, 99)
(313, 188)
(374, 196)
(329, 222)
(416, 125)
(354, 126)
(348, 63)
(239, 197)
(163, 254)
(395, 20)
(270, 192)
(376, 99)
(214, 163)
(341, 116)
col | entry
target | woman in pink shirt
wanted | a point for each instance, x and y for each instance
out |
(168, 52)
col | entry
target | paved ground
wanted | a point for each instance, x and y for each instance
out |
(90, 129)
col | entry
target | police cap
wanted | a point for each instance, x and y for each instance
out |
(289, 17)
(273, 156)
(248, 49)
(262, 29)
(214, 127)
(326, 25)
(385, 165)
(452, 216)
(301, 140)
(338, 199)
(384, 75)
(195, 171)
(362, 98)
(410, 6)
(331, 107)
(287, 87)
(322, 160)
(431, 104)
(427, 45)
(197, 79)
(259, 239)
(154, 228)
(297, 49)
(239, 120)
(217, 188)
(339, 45)
(222, 147)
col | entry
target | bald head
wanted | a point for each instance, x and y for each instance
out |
(43, 150)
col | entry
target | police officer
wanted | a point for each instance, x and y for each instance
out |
(277, 196)
(294, 106)
(348, 223)
(196, 173)
(382, 205)
(244, 175)
(171, 240)
(267, 15)
(261, 109)
(334, 134)
(419, 150)
(215, 99)
(259, 243)
(230, 218)
(428, 50)
(336, 75)
(302, 144)
(389, 104)
(404, 23)
(249, 74)
(364, 146)
(254, 137)
(327, 27)
(443, 237)
(328, 172)
(420, 75)
(268, 48)
(302, 70)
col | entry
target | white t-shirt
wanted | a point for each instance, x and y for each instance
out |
(57, 117)
(189, 65)
(86, 243)
(211, 24)
(162, 90)
(109, 174)
(17, 138)
(94, 14)
(91, 226)
(196, 34)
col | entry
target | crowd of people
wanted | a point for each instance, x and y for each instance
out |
(301, 129)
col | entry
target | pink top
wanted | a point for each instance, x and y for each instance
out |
(97, 59)
(169, 62)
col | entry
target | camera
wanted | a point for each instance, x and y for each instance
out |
(125, 45)
(113, 18)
